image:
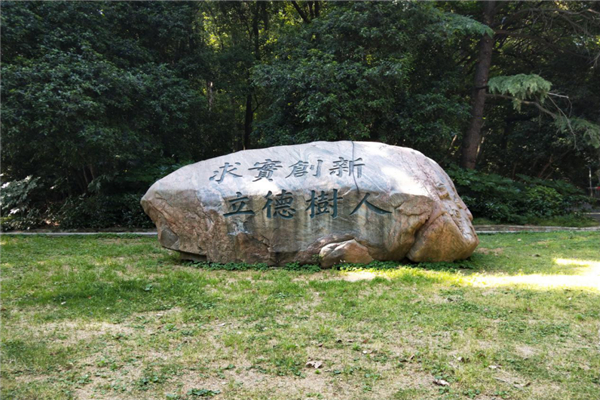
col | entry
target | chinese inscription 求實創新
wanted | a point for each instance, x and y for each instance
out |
(301, 168)
(266, 169)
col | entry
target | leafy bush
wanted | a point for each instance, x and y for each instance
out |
(502, 199)
(16, 204)
(543, 201)
(103, 211)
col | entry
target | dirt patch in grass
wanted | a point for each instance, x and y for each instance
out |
(486, 251)
(525, 351)
(83, 331)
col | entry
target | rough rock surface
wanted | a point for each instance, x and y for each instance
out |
(323, 201)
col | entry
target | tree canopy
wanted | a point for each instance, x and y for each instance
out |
(100, 99)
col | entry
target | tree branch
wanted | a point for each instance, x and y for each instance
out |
(555, 116)
(501, 32)
(530, 103)
(301, 12)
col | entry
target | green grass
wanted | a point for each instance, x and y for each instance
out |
(575, 221)
(120, 318)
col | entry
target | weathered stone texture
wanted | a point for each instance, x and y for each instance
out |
(327, 201)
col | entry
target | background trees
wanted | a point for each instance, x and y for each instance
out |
(99, 99)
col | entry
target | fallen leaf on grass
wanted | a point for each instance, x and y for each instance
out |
(515, 384)
(407, 359)
(314, 364)
(203, 392)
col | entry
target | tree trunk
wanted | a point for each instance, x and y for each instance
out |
(249, 117)
(210, 94)
(301, 12)
(248, 122)
(472, 138)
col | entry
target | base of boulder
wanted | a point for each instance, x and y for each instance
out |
(192, 257)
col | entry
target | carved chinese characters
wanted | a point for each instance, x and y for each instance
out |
(331, 201)
(281, 205)
(267, 168)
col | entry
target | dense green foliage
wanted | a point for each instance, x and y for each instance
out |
(518, 201)
(363, 72)
(100, 99)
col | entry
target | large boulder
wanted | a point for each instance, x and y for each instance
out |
(326, 202)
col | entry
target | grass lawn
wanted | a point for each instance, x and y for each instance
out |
(120, 318)
(574, 221)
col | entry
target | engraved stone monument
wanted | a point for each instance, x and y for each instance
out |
(321, 202)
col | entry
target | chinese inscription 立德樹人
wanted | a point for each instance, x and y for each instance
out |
(322, 203)
(282, 205)
(237, 206)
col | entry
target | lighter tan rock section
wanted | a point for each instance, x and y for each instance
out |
(349, 251)
(390, 203)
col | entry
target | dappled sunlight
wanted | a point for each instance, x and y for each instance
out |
(542, 281)
(402, 273)
(407, 182)
(588, 267)
(587, 276)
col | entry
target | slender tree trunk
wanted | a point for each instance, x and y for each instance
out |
(301, 12)
(85, 177)
(472, 138)
(210, 94)
(549, 164)
(546, 166)
(248, 121)
(249, 117)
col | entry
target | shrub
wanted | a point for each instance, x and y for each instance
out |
(16, 204)
(543, 201)
(520, 201)
(102, 211)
